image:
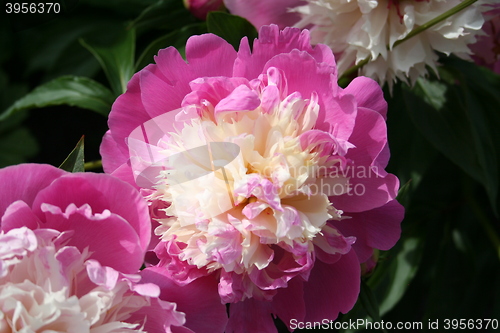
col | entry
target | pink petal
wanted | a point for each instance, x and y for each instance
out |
(371, 186)
(199, 300)
(179, 271)
(289, 302)
(127, 113)
(101, 192)
(251, 315)
(210, 55)
(157, 95)
(161, 317)
(368, 94)
(102, 275)
(18, 215)
(207, 92)
(241, 99)
(175, 70)
(272, 42)
(332, 288)
(24, 181)
(111, 153)
(125, 173)
(110, 239)
(379, 228)
(304, 74)
(367, 193)
(338, 118)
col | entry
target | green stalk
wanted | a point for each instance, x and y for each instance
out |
(93, 165)
(413, 33)
(435, 21)
(355, 68)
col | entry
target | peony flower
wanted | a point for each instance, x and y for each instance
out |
(71, 246)
(359, 29)
(265, 175)
(200, 8)
(487, 49)
(48, 286)
(109, 216)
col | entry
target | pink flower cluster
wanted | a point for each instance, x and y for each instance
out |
(262, 190)
(71, 247)
(246, 219)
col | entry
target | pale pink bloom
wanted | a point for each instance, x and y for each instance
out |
(81, 261)
(46, 285)
(201, 8)
(357, 29)
(487, 49)
(265, 175)
(106, 216)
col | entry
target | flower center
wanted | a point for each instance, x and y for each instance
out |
(245, 187)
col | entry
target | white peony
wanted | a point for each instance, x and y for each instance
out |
(357, 29)
(48, 287)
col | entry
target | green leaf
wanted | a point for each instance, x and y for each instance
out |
(116, 60)
(392, 278)
(76, 159)
(70, 90)
(461, 121)
(403, 191)
(176, 39)
(369, 302)
(164, 14)
(16, 145)
(230, 27)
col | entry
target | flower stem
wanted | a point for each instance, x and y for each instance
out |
(355, 68)
(435, 21)
(93, 165)
(413, 33)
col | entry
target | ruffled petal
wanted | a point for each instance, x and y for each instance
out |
(368, 94)
(110, 239)
(18, 215)
(199, 300)
(332, 288)
(102, 193)
(379, 228)
(371, 186)
(24, 181)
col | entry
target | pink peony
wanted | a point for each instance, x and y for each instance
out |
(200, 8)
(487, 48)
(264, 174)
(71, 246)
(109, 216)
(48, 286)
